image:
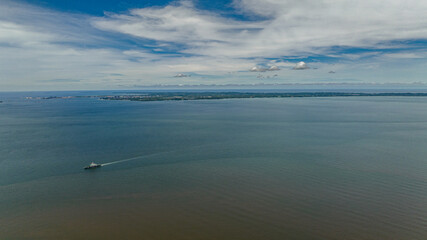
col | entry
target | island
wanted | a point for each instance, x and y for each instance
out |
(179, 96)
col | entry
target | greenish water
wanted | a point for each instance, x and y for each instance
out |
(306, 168)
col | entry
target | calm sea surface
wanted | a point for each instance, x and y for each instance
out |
(351, 168)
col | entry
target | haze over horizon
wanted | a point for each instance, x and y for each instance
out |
(71, 45)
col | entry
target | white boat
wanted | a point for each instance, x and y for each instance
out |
(93, 165)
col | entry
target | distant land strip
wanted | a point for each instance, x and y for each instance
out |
(179, 96)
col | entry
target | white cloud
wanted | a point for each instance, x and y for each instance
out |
(406, 55)
(37, 45)
(274, 68)
(180, 23)
(181, 75)
(32, 52)
(290, 27)
(18, 35)
(263, 69)
(301, 66)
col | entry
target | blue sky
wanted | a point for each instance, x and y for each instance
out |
(111, 44)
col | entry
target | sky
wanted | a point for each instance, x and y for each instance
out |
(112, 44)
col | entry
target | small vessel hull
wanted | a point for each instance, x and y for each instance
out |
(92, 167)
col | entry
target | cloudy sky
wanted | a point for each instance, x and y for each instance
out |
(111, 44)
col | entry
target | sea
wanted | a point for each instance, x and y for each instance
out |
(344, 168)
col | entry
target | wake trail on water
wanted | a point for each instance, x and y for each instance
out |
(129, 159)
(146, 156)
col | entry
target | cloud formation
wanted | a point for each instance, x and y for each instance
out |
(263, 69)
(149, 45)
(301, 66)
(181, 75)
(287, 27)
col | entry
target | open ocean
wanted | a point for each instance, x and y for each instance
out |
(352, 168)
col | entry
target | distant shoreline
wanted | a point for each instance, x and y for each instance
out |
(182, 96)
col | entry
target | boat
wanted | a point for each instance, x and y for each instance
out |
(93, 165)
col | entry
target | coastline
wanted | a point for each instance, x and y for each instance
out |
(182, 96)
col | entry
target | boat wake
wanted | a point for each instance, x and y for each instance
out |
(148, 156)
(130, 159)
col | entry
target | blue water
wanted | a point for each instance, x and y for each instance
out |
(305, 168)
